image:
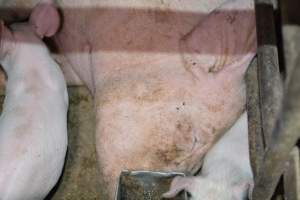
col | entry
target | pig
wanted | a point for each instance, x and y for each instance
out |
(226, 173)
(33, 126)
(165, 117)
(167, 76)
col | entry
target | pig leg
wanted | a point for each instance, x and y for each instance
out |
(226, 173)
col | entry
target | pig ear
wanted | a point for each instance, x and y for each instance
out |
(178, 184)
(45, 19)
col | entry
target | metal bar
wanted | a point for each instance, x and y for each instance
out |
(290, 18)
(270, 84)
(292, 176)
(270, 91)
(285, 136)
(256, 145)
(291, 45)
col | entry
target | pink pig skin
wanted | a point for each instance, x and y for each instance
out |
(226, 172)
(167, 76)
(160, 111)
(33, 123)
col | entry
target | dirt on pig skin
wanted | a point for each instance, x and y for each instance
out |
(159, 105)
(151, 121)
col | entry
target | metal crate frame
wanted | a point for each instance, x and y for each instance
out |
(273, 106)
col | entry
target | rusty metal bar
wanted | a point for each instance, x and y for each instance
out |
(279, 132)
(264, 104)
(285, 136)
(264, 95)
(269, 79)
(256, 145)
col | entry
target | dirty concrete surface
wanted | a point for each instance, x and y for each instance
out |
(79, 179)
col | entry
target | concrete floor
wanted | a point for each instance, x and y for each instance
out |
(79, 179)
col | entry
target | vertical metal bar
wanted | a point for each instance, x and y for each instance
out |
(270, 90)
(270, 83)
(291, 45)
(292, 176)
(290, 18)
(285, 136)
(256, 145)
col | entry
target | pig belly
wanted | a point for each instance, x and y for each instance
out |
(161, 119)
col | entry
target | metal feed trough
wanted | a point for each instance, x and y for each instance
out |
(146, 185)
(273, 104)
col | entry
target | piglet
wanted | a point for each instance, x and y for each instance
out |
(226, 172)
(33, 123)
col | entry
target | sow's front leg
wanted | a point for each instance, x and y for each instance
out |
(167, 117)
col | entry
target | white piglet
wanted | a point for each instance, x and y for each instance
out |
(33, 123)
(226, 173)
